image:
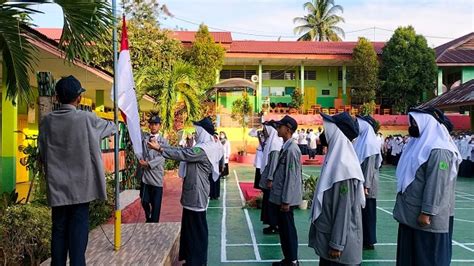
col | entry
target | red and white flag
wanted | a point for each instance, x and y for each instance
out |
(127, 98)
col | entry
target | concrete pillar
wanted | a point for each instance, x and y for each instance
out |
(302, 78)
(259, 89)
(440, 81)
(8, 141)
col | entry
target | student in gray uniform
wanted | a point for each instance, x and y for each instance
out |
(367, 148)
(153, 165)
(200, 161)
(69, 145)
(336, 216)
(286, 190)
(271, 152)
(426, 178)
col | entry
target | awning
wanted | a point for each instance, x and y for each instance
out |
(233, 84)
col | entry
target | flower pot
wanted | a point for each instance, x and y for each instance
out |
(303, 205)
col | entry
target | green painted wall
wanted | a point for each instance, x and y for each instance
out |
(467, 74)
(326, 79)
(9, 142)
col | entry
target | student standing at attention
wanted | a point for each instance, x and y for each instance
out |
(426, 176)
(286, 190)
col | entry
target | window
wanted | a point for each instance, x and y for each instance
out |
(310, 75)
(290, 75)
(326, 92)
(339, 74)
(289, 90)
(265, 91)
(237, 73)
(277, 74)
(266, 75)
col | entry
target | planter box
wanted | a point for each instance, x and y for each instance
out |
(247, 159)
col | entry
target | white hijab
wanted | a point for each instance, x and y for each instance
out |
(433, 135)
(341, 163)
(272, 143)
(213, 149)
(367, 143)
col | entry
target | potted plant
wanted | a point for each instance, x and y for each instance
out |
(241, 111)
(296, 101)
(309, 186)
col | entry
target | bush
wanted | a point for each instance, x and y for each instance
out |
(368, 108)
(100, 211)
(309, 186)
(25, 234)
(171, 165)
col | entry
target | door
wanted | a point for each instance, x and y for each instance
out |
(309, 97)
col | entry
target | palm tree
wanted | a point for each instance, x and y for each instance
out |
(321, 22)
(85, 22)
(175, 90)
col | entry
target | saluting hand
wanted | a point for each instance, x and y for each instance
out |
(334, 254)
(153, 144)
(424, 220)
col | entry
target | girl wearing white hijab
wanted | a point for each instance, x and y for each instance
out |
(336, 218)
(201, 161)
(271, 152)
(426, 177)
(367, 148)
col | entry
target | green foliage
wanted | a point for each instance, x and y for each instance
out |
(25, 234)
(85, 22)
(171, 165)
(296, 99)
(309, 187)
(241, 110)
(145, 10)
(408, 69)
(320, 24)
(368, 108)
(207, 57)
(364, 76)
(7, 200)
(100, 211)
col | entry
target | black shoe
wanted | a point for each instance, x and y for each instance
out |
(270, 230)
(369, 247)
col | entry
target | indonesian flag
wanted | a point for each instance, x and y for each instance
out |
(127, 98)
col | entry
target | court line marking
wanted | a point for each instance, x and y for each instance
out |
(454, 241)
(223, 224)
(462, 220)
(249, 222)
(366, 261)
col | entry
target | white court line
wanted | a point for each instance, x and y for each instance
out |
(366, 261)
(223, 225)
(217, 207)
(465, 193)
(305, 245)
(249, 222)
(462, 220)
(454, 241)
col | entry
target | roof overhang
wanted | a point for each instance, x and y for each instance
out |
(287, 59)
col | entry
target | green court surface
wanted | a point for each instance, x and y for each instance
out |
(236, 238)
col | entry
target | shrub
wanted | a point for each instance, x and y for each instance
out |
(100, 211)
(309, 186)
(25, 234)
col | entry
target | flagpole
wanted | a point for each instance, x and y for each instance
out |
(118, 216)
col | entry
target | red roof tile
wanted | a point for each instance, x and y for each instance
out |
(51, 33)
(188, 36)
(294, 47)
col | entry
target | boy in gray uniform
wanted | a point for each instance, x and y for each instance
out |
(200, 161)
(426, 176)
(69, 144)
(336, 219)
(286, 190)
(367, 148)
(153, 165)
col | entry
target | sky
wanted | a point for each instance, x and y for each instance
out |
(438, 20)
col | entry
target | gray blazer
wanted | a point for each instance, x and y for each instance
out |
(287, 182)
(69, 143)
(431, 193)
(371, 176)
(340, 224)
(196, 184)
(154, 174)
(269, 170)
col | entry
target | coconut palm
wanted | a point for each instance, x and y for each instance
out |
(321, 22)
(85, 22)
(175, 91)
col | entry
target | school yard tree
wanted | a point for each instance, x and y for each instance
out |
(408, 71)
(364, 74)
